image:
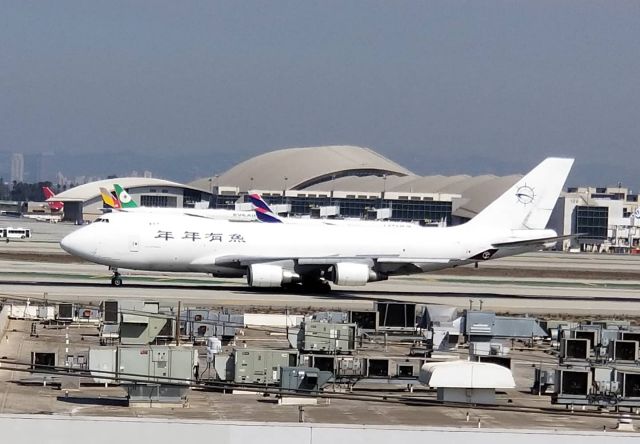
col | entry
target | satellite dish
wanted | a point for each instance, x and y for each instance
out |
(636, 213)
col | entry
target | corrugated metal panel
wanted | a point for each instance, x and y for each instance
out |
(480, 323)
(488, 324)
(517, 328)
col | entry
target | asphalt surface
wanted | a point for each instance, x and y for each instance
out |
(537, 283)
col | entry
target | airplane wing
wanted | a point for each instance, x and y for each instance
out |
(379, 262)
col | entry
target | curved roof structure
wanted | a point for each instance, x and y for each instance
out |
(476, 191)
(466, 374)
(297, 168)
(344, 168)
(478, 195)
(91, 190)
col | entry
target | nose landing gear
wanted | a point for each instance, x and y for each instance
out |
(116, 280)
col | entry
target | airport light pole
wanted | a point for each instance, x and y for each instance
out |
(284, 190)
(333, 186)
(384, 185)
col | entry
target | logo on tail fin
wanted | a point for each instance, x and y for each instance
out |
(528, 204)
(525, 194)
(125, 199)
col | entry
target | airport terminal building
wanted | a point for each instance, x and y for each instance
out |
(352, 182)
(608, 218)
(327, 181)
(357, 182)
(84, 202)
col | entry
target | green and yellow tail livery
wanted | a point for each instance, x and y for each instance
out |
(125, 199)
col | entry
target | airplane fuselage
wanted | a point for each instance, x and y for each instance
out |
(174, 242)
(275, 254)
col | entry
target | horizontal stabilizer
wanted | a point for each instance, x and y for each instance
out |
(533, 242)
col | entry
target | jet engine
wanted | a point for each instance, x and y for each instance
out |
(267, 275)
(349, 273)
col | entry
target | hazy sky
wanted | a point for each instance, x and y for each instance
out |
(438, 86)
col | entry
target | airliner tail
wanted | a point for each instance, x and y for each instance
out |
(262, 209)
(109, 199)
(528, 204)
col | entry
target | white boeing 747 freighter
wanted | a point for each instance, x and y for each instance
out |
(313, 255)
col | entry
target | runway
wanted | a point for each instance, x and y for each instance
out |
(85, 282)
(538, 283)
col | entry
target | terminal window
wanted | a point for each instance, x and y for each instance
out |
(593, 221)
(157, 201)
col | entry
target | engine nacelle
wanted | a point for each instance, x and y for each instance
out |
(267, 275)
(350, 273)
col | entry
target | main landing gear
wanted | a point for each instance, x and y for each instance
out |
(116, 280)
(315, 286)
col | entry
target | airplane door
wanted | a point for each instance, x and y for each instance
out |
(134, 244)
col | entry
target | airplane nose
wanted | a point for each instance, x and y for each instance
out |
(79, 243)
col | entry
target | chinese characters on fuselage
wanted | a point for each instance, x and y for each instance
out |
(196, 236)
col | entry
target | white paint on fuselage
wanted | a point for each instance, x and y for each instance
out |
(515, 221)
(174, 242)
(211, 213)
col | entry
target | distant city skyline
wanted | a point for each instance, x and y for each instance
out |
(79, 169)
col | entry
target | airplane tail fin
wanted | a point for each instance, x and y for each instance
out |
(262, 209)
(108, 198)
(125, 199)
(48, 192)
(528, 204)
(53, 205)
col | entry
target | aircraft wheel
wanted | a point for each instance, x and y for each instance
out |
(324, 287)
(116, 281)
(316, 287)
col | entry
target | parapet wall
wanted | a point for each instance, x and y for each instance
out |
(103, 430)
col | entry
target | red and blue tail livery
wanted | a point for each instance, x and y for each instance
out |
(262, 209)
